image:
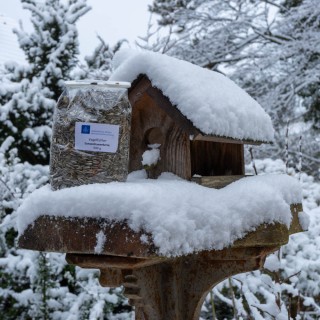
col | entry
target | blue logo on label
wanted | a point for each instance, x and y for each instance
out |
(85, 129)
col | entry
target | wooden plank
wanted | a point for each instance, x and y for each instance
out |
(79, 235)
(150, 125)
(216, 182)
(94, 261)
(201, 137)
(242, 161)
(138, 88)
(295, 226)
(266, 235)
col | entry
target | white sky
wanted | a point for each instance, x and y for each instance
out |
(111, 19)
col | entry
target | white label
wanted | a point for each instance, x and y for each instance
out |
(96, 137)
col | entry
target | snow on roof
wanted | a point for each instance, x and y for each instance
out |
(181, 216)
(10, 50)
(213, 103)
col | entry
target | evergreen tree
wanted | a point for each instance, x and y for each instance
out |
(28, 93)
(37, 285)
(285, 80)
(98, 65)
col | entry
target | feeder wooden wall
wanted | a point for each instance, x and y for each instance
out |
(150, 125)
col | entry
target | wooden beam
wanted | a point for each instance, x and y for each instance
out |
(138, 88)
(216, 182)
(266, 235)
(94, 261)
(79, 235)
(111, 277)
(226, 140)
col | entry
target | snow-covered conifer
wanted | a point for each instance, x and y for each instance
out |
(37, 285)
(28, 93)
(271, 48)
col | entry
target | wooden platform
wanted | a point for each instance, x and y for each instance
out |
(78, 235)
(159, 287)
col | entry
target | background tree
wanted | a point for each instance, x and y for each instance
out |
(29, 92)
(270, 48)
(37, 285)
(98, 65)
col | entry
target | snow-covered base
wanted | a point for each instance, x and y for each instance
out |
(181, 216)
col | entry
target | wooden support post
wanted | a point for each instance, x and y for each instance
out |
(174, 288)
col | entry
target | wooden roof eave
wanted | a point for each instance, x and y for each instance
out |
(142, 85)
(214, 138)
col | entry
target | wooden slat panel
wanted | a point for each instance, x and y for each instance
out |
(216, 182)
(212, 138)
(142, 85)
(175, 146)
(79, 235)
(175, 114)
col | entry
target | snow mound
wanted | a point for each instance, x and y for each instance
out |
(181, 216)
(214, 103)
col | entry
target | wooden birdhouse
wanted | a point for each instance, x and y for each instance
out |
(184, 149)
(200, 120)
(166, 239)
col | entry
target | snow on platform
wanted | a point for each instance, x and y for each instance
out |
(213, 103)
(182, 217)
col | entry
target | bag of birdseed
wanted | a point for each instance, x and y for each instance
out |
(91, 132)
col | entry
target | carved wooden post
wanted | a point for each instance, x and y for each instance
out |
(175, 288)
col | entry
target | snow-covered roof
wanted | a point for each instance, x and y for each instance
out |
(10, 50)
(211, 101)
(181, 216)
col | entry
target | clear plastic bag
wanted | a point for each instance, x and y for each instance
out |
(89, 121)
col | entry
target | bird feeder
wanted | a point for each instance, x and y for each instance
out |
(159, 286)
